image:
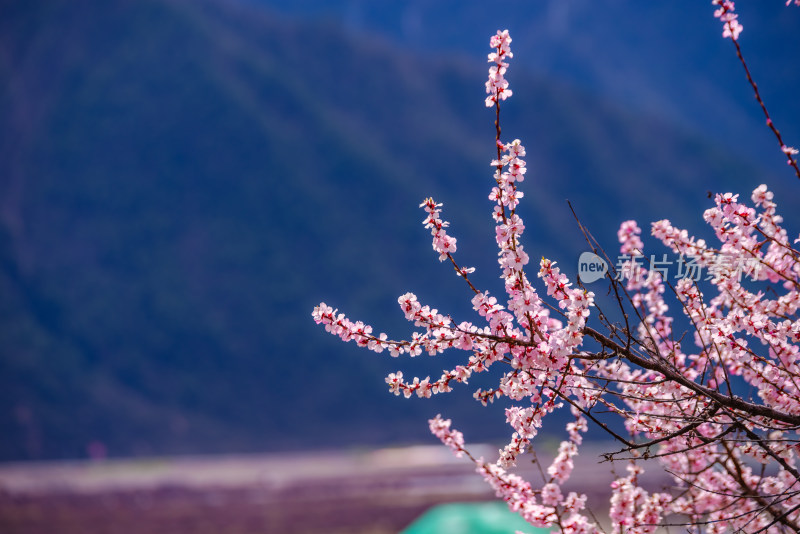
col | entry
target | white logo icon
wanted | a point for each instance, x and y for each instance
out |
(591, 267)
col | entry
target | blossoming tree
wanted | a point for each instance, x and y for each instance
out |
(719, 408)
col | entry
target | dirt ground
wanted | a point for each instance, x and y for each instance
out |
(364, 492)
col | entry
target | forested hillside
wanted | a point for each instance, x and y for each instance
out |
(182, 181)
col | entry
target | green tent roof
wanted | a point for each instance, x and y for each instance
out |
(471, 518)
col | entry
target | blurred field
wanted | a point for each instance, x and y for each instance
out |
(367, 492)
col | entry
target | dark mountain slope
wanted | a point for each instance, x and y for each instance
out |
(181, 182)
(661, 58)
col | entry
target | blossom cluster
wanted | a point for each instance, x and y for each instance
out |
(728, 327)
(452, 438)
(547, 506)
(520, 333)
(678, 400)
(634, 510)
(730, 20)
(496, 85)
(442, 243)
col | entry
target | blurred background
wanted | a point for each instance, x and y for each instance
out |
(182, 181)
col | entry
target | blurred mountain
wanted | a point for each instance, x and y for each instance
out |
(182, 181)
(664, 59)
